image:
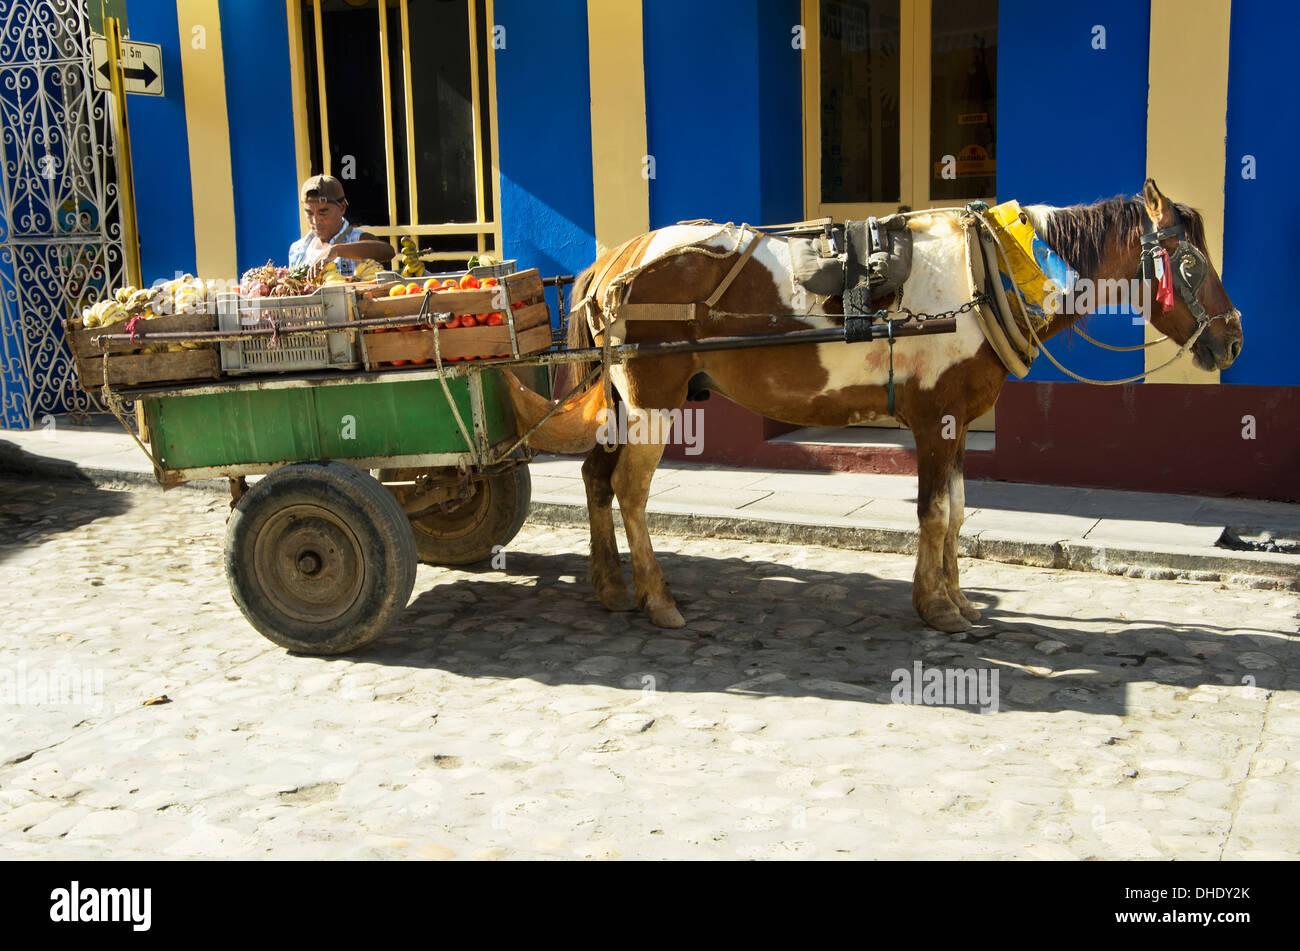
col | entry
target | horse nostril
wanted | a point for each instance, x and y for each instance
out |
(1234, 348)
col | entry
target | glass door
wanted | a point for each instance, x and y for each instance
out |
(900, 105)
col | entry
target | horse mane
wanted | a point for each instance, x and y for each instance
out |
(1082, 234)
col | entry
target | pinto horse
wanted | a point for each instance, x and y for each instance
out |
(953, 375)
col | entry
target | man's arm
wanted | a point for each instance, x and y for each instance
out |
(369, 246)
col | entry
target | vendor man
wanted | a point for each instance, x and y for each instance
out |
(332, 236)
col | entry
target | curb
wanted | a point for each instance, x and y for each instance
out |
(1243, 570)
(1259, 570)
(17, 463)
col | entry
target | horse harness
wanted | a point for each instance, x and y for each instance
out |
(1184, 268)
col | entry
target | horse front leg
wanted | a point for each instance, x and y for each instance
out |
(631, 481)
(956, 515)
(935, 458)
(605, 570)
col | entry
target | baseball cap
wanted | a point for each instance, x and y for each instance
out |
(320, 187)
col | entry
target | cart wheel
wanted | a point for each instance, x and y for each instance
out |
(469, 533)
(320, 557)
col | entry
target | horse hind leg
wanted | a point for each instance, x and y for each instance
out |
(605, 570)
(956, 515)
(631, 482)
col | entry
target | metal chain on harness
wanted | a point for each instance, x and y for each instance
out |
(905, 314)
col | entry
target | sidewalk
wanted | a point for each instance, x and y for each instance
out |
(1135, 533)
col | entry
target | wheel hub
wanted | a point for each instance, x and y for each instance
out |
(310, 563)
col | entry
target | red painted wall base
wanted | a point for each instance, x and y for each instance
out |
(1202, 439)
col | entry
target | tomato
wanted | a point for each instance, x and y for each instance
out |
(413, 288)
(469, 282)
(495, 320)
(516, 305)
(491, 282)
(432, 284)
(397, 290)
(450, 284)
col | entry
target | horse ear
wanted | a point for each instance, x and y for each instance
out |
(1156, 203)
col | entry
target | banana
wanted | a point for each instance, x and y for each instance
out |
(138, 302)
(115, 313)
(160, 299)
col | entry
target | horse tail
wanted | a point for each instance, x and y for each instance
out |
(577, 333)
(571, 429)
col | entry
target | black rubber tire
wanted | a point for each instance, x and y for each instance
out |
(320, 557)
(469, 534)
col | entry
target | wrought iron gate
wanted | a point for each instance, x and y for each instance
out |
(60, 243)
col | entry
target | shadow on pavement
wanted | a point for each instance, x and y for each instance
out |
(762, 628)
(31, 487)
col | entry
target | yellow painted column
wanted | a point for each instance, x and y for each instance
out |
(211, 182)
(618, 124)
(1187, 124)
(298, 86)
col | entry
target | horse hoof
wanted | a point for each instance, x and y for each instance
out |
(969, 612)
(667, 616)
(950, 622)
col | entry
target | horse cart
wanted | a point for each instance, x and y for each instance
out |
(382, 437)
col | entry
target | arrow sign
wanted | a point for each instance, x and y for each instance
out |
(141, 66)
(144, 74)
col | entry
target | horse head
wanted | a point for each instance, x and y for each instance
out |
(1188, 297)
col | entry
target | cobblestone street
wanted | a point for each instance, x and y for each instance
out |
(508, 715)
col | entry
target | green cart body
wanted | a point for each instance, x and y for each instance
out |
(380, 421)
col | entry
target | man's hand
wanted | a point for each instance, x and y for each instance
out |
(318, 267)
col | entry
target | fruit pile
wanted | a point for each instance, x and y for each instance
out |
(185, 295)
(433, 285)
(129, 305)
(271, 281)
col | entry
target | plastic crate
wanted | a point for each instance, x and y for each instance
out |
(331, 305)
(495, 270)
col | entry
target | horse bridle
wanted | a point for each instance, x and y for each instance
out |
(1188, 267)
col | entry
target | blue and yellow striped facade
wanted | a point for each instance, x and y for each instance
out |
(713, 93)
(716, 102)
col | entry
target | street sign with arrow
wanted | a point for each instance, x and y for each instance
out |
(141, 66)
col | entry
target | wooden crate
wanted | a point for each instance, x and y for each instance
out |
(415, 347)
(523, 286)
(128, 365)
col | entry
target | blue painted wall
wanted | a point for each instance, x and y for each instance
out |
(259, 101)
(702, 113)
(780, 113)
(1260, 244)
(723, 111)
(544, 124)
(160, 152)
(1073, 133)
